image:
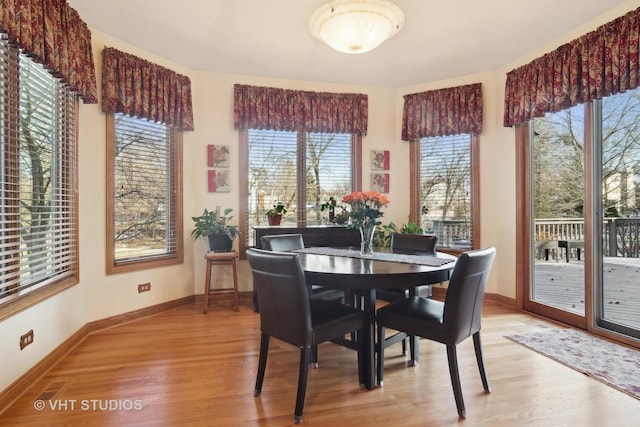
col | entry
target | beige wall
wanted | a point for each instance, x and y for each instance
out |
(98, 296)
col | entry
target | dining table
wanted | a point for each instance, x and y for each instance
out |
(346, 269)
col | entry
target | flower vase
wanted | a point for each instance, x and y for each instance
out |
(366, 239)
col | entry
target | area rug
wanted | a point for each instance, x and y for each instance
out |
(611, 363)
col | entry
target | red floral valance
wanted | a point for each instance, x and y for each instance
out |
(52, 33)
(139, 88)
(598, 64)
(442, 112)
(294, 110)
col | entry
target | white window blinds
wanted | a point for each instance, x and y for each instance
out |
(38, 203)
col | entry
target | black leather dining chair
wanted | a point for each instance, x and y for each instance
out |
(290, 242)
(282, 242)
(408, 244)
(288, 314)
(449, 322)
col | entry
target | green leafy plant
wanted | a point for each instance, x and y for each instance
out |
(210, 223)
(329, 205)
(342, 217)
(337, 214)
(382, 236)
(411, 228)
(277, 209)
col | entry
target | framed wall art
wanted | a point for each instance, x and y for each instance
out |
(218, 180)
(380, 182)
(380, 160)
(218, 156)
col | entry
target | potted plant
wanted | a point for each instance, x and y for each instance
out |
(275, 213)
(216, 228)
(336, 216)
(331, 207)
(342, 217)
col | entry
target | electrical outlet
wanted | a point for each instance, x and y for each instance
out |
(144, 287)
(26, 339)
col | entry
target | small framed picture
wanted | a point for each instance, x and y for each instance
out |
(218, 156)
(380, 182)
(380, 160)
(218, 180)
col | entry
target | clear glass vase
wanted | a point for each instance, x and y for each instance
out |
(366, 239)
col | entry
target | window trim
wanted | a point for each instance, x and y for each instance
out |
(113, 266)
(414, 206)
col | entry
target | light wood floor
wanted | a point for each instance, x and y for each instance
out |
(188, 369)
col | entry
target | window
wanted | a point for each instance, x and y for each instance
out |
(145, 204)
(444, 177)
(301, 170)
(38, 202)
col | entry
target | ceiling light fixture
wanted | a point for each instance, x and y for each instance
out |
(356, 26)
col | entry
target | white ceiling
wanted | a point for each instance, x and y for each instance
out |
(440, 39)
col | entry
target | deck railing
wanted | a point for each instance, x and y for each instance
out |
(620, 236)
(451, 232)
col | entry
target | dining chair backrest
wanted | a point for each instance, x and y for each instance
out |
(463, 302)
(282, 242)
(422, 243)
(283, 296)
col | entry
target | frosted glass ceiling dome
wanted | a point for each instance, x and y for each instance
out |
(356, 26)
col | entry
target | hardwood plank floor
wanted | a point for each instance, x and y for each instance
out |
(188, 369)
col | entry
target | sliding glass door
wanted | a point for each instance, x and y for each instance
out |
(557, 286)
(617, 202)
(581, 179)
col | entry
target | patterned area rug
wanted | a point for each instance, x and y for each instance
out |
(611, 363)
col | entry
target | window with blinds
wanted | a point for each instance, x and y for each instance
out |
(145, 199)
(38, 203)
(445, 189)
(301, 170)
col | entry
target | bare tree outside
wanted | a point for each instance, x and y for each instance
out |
(558, 160)
(558, 164)
(275, 173)
(445, 188)
(326, 175)
(141, 187)
(38, 134)
(272, 173)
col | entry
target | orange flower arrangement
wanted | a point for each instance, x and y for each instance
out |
(365, 207)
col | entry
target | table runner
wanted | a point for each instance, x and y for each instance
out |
(428, 260)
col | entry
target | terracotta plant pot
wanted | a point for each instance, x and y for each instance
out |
(275, 220)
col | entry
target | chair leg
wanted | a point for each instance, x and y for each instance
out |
(314, 356)
(452, 356)
(483, 375)
(305, 357)
(414, 349)
(361, 356)
(262, 363)
(404, 347)
(380, 352)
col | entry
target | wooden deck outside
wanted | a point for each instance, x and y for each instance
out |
(561, 284)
